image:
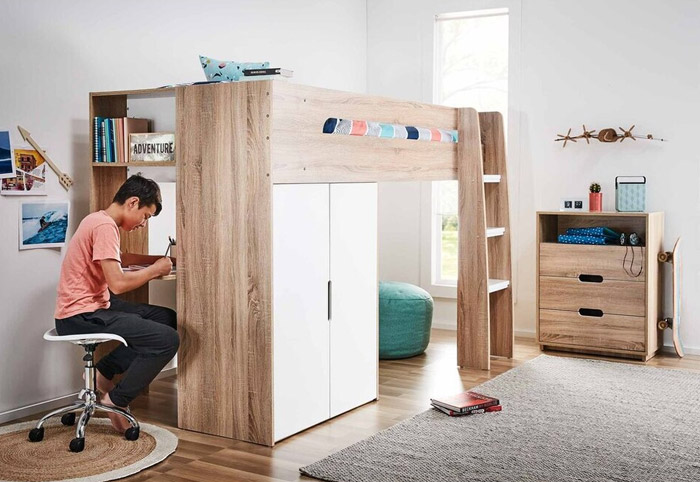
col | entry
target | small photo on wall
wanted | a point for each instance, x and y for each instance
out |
(43, 224)
(6, 167)
(30, 175)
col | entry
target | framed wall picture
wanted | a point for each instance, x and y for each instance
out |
(7, 168)
(30, 175)
(43, 224)
(152, 146)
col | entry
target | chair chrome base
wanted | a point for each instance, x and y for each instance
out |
(87, 405)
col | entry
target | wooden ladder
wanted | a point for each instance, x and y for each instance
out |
(484, 289)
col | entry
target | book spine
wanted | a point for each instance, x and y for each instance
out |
(481, 406)
(452, 413)
(272, 71)
(95, 146)
(103, 133)
(108, 147)
(112, 141)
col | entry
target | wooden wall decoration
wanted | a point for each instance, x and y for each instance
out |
(608, 135)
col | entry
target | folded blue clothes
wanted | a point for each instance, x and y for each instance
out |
(593, 231)
(579, 239)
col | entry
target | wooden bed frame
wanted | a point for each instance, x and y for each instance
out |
(233, 142)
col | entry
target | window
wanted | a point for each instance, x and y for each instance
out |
(471, 70)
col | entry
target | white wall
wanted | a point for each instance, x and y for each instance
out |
(54, 53)
(605, 64)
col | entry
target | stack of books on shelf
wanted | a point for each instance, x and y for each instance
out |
(264, 74)
(467, 403)
(111, 137)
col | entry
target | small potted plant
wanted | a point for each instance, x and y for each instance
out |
(595, 198)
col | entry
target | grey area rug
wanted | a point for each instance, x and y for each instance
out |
(563, 419)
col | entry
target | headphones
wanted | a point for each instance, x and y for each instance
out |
(632, 240)
(629, 242)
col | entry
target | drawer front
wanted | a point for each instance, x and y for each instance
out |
(617, 332)
(572, 260)
(612, 297)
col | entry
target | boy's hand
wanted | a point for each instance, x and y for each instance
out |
(162, 266)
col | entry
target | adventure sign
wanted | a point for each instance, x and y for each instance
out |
(153, 146)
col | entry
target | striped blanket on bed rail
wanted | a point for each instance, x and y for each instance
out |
(391, 131)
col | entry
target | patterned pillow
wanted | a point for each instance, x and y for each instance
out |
(227, 70)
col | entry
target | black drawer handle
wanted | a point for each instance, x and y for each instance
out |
(590, 312)
(590, 278)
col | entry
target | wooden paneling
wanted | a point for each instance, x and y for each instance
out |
(301, 153)
(499, 248)
(608, 331)
(610, 262)
(473, 331)
(308, 157)
(613, 297)
(224, 286)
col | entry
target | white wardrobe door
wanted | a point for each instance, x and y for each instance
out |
(354, 353)
(300, 306)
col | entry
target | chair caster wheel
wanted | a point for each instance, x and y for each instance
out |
(68, 419)
(132, 433)
(36, 434)
(77, 444)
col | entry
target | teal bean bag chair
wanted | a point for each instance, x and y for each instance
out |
(405, 317)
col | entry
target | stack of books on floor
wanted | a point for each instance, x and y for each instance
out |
(467, 403)
(264, 74)
(111, 137)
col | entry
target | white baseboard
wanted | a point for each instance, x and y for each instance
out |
(444, 325)
(525, 334)
(689, 350)
(58, 402)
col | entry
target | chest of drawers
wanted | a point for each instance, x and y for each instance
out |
(599, 299)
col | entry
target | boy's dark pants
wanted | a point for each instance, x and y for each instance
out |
(151, 333)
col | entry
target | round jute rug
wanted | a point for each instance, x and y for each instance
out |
(107, 455)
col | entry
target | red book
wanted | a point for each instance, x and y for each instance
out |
(466, 401)
(452, 413)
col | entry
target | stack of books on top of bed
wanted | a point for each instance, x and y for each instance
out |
(268, 73)
(467, 403)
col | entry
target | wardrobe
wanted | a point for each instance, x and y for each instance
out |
(324, 302)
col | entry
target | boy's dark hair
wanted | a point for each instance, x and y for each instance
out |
(145, 189)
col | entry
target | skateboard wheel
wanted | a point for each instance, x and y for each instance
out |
(662, 325)
(663, 257)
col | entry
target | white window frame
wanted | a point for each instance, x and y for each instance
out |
(430, 245)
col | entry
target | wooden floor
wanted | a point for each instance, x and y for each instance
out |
(405, 387)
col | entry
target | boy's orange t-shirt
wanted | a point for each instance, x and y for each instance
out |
(82, 287)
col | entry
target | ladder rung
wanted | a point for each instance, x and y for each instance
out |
(498, 284)
(493, 232)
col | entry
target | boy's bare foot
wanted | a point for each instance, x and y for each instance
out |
(119, 422)
(104, 384)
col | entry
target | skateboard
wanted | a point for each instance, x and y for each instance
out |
(674, 257)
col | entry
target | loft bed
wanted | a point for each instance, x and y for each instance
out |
(233, 142)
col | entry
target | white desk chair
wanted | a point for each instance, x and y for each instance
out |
(87, 398)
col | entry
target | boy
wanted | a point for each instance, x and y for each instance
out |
(92, 268)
